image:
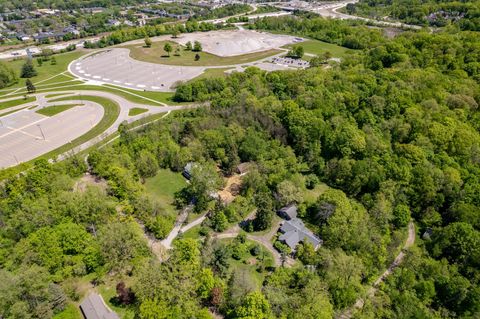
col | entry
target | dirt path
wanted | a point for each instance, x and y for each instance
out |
(347, 314)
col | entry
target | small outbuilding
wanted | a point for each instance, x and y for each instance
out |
(93, 307)
(187, 170)
(243, 168)
(288, 212)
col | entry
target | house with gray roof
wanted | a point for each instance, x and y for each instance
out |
(288, 212)
(294, 231)
(93, 307)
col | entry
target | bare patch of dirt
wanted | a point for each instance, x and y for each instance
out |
(232, 188)
(89, 180)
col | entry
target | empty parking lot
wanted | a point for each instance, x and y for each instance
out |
(25, 135)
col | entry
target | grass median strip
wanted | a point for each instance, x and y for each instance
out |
(17, 102)
(111, 113)
(136, 111)
(8, 113)
(55, 109)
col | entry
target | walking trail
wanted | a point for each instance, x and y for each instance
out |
(347, 314)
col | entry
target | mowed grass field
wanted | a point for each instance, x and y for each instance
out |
(47, 70)
(163, 187)
(319, 47)
(156, 54)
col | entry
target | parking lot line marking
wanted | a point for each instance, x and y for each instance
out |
(21, 128)
(23, 132)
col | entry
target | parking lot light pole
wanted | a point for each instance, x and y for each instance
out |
(41, 131)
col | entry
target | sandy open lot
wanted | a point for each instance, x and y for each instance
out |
(237, 42)
(21, 136)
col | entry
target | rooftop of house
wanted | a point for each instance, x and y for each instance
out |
(93, 307)
(294, 231)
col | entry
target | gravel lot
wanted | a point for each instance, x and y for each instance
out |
(237, 42)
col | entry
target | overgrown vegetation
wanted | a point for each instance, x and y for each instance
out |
(393, 131)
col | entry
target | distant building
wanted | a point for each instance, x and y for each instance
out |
(113, 22)
(93, 307)
(187, 170)
(243, 168)
(294, 231)
(288, 212)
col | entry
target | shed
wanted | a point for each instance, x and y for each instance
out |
(187, 170)
(288, 212)
(243, 168)
(93, 307)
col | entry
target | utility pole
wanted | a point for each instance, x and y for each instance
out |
(41, 131)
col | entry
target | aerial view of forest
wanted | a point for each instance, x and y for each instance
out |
(243, 161)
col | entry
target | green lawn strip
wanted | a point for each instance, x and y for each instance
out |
(212, 73)
(55, 109)
(71, 311)
(164, 97)
(49, 96)
(156, 54)
(17, 102)
(163, 187)
(136, 111)
(23, 91)
(47, 70)
(112, 111)
(7, 113)
(58, 78)
(319, 47)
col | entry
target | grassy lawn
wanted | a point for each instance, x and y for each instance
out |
(71, 311)
(108, 293)
(136, 111)
(163, 187)
(17, 102)
(192, 233)
(47, 70)
(156, 54)
(58, 78)
(311, 195)
(249, 263)
(318, 47)
(212, 73)
(55, 109)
